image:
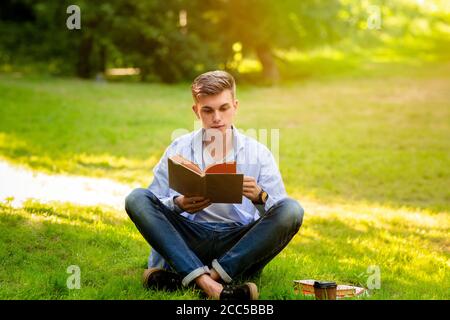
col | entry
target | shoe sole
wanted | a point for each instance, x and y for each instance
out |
(254, 294)
(146, 278)
(147, 274)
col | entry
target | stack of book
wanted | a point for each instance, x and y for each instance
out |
(306, 287)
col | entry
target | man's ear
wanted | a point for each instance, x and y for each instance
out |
(236, 104)
(194, 108)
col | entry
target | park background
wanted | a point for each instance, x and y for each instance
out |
(360, 91)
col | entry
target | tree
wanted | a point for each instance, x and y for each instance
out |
(264, 25)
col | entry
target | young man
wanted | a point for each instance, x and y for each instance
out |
(209, 244)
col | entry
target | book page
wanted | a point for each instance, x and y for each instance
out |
(186, 163)
(227, 167)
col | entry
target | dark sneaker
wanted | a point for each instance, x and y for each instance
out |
(160, 279)
(247, 291)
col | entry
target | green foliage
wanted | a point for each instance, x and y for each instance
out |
(34, 37)
(280, 24)
(150, 34)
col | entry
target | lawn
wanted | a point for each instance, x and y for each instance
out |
(368, 158)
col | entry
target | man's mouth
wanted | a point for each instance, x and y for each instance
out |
(218, 127)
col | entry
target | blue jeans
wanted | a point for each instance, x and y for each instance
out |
(233, 250)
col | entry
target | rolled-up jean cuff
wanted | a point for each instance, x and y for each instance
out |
(194, 274)
(222, 273)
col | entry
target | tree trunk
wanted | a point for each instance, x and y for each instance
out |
(270, 69)
(84, 56)
(102, 66)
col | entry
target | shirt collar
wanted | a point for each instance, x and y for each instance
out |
(197, 143)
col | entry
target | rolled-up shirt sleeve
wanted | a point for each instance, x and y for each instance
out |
(160, 184)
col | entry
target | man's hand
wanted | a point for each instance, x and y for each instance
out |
(192, 204)
(251, 189)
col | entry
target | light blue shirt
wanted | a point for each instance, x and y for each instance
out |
(252, 159)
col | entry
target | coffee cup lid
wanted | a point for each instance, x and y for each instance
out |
(324, 284)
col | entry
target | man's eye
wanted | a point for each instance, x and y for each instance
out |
(207, 110)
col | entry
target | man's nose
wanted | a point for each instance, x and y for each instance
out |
(216, 116)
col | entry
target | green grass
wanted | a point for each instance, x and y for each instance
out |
(382, 139)
(368, 157)
(39, 243)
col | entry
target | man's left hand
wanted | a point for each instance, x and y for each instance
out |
(251, 189)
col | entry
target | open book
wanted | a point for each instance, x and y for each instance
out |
(219, 182)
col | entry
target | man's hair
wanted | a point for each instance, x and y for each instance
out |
(212, 83)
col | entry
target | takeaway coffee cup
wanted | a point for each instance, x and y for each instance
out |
(325, 290)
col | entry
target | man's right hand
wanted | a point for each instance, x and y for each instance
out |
(192, 204)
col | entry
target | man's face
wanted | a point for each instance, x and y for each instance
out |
(216, 111)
